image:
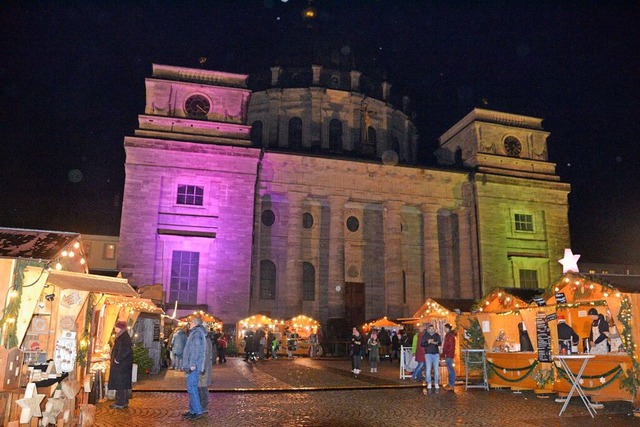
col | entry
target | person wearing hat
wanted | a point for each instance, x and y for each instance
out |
(121, 366)
(567, 337)
(193, 363)
(599, 335)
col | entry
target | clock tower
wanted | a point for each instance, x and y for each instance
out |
(500, 143)
(520, 205)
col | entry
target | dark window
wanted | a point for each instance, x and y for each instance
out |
(353, 224)
(190, 195)
(371, 135)
(529, 279)
(256, 133)
(184, 277)
(335, 135)
(308, 282)
(267, 280)
(523, 222)
(307, 220)
(268, 218)
(404, 287)
(295, 133)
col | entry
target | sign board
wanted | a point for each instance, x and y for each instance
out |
(543, 334)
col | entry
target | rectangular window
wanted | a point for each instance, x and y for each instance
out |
(523, 222)
(190, 195)
(183, 285)
(529, 279)
(109, 251)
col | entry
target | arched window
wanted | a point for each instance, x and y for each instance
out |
(295, 132)
(256, 133)
(267, 279)
(308, 282)
(335, 135)
(371, 135)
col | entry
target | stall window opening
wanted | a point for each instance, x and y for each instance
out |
(190, 195)
(523, 222)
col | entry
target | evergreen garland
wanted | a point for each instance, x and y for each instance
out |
(84, 340)
(629, 379)
(12, 308)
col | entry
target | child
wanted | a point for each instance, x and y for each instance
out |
(374, 351)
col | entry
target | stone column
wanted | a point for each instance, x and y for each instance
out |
(431, 251)
(291, 290)
(393, 259)
(336, 255)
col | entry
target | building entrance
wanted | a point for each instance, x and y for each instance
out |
(354, 304)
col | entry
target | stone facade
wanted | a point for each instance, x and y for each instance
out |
(318, 208)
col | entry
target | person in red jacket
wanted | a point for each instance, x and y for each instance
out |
(449, 352)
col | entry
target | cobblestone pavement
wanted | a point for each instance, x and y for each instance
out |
(306, 392)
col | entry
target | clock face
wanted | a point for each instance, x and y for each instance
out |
(512, 146)
(197, 107)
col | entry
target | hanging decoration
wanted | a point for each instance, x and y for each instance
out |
(629, 379)
(83, 345)
(502, 371)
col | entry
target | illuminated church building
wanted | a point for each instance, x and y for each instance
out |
(298, 192)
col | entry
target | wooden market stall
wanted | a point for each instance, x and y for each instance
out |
(614, 375)
(210, 321)
(382, 322)
(62, 325)
(302, 327)
(252, 323)
(439, 312)
(494, 326)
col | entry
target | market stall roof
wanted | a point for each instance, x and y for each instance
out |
(34, 244)
(207, 317)
(442, 307)
(506, 299)
(303, 320)
(90, 282)
(257, 320)
(382, 322)
(141, 305)
(577, 287)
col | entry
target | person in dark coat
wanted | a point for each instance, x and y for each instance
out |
(525, 341)
(567, 337)
(121, 366)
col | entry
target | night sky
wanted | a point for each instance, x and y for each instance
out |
(72, 85)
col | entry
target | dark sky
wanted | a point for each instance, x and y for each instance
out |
(72, 85)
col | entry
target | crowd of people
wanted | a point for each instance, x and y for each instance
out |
(263, 344)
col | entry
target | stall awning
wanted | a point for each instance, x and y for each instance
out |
(141, 305)
(90, 283)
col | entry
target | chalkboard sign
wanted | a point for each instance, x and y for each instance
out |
(561, 298)
(156, 331)
(543, 337)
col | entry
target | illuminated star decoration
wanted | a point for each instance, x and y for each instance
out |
(55, 404)
(30, 404)
(569, 262)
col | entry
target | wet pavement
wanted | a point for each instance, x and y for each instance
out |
(323, 392)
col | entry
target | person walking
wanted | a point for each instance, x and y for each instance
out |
(313, 344)
(431, 342)
(121, 366)
(418, 353)
(385, 343)
(194, 361)
(222, 349)
(374, 352)
(205, 379)
(177, 347)
(449, 352)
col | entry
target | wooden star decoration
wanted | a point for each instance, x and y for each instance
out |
(569, 262)
(30, 404)
(47, 418)
(55, 404)
(70, 388)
